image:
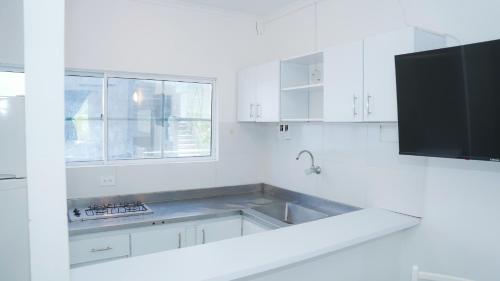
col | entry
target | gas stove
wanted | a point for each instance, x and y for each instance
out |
(103, 211)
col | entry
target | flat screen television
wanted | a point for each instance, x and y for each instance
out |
(449, 102)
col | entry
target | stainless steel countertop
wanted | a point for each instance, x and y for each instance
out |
(180, 206)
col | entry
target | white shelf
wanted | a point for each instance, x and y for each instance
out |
(302, 87)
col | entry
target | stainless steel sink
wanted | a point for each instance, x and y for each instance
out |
(290, 213)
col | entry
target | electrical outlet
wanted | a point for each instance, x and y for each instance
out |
(283, 132)
(108, 181)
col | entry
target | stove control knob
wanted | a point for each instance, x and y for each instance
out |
(76, 212)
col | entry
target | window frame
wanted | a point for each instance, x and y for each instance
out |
(105, 75)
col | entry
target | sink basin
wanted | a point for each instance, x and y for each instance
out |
(290, 213)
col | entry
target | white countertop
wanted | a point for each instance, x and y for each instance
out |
(245, 256)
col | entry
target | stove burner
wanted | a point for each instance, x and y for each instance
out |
(118, 208)
(104, 211)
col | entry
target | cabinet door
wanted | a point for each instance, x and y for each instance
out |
(12, 134)
(268, 93)
(380, 73)
(218, 229)
(343, 83)
(247, 94)
(250, 226)
(14, 234)
(157, 239)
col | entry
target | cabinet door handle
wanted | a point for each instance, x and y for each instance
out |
(94, 250)
(354, 99)
(203, 236)
(259, 111)
(180, 240)
(368, 107)
(251, 110)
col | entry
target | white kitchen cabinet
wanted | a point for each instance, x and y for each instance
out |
(343, 83)
(259, 93)
(92, 248)
(379, 68)
(100, 247)
(156, 239)
(250, 226)
(360, 77)
(14, 234)
(247, 94)
(218, 229)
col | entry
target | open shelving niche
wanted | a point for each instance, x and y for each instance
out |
(302, 88)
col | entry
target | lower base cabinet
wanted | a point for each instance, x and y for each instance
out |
(218, 229)
(157, 240)
(100, 247)
(250, 226)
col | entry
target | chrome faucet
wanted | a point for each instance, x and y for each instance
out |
(313, 169)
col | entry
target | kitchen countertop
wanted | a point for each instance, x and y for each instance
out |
(178, 207)
(245, 256)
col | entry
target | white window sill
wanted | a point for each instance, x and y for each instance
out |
(143, 162)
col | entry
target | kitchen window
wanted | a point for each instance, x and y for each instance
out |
(113, 118)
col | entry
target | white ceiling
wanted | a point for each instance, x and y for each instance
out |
(260, 8)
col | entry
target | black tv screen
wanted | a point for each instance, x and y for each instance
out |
(449, 102)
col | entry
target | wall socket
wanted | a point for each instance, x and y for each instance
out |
(108, 181)
(284, 133)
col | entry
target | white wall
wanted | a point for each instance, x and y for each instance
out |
(140, 36)
(360, 165)
(457, 198)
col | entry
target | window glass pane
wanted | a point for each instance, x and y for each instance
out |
(135, 118)
(136, 139)
(84, 125)
(188, 114)
(131, 99)
(187, 138)
(11, 84)
(188, 100)
(83, 97)
(83, 140)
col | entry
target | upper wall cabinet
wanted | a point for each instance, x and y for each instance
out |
(360, 77)
(354, 82)
(343, 97)
(379, 68)
(259, 93)
(302, 88)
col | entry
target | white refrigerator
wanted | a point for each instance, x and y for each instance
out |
(14, 235)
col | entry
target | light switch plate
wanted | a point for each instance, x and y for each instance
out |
(108, 181)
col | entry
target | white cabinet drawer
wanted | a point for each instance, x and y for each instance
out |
(83, 249)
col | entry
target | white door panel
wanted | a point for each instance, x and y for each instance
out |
(12, 137)
(218, 229)
(343, 83)
(158, 239)
(268, 94)
(247, 94)
(380, 73)
(14, 235)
